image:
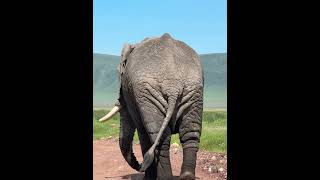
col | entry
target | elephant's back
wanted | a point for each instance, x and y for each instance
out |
(165, 58)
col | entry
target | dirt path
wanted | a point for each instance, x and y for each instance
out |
(108, 163)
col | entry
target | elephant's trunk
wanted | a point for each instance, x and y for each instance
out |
(113, 111)
(125, 141)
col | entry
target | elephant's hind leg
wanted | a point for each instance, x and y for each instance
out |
(151, 172)
(164, 171)
(152, 119)
(189, 133)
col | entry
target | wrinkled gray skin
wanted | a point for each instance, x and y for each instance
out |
(161, 93)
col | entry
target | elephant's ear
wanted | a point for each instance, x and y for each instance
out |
(126, 50)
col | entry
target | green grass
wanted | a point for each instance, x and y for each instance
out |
(213, 137)
(107, 129)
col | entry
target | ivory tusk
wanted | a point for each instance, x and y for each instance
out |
(113, 111)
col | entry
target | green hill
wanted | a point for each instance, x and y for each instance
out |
(105, 79)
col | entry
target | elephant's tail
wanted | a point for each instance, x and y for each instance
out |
(149, 156)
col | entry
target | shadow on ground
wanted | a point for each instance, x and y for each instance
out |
(136, 176)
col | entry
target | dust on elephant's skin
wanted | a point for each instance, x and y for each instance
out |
(161, 93)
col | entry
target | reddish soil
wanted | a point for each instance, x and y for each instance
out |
(108, 163)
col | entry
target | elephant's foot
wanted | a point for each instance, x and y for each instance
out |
(151, 173)
(188, 164)
(187, 175)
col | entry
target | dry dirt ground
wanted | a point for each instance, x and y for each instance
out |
(108, 163)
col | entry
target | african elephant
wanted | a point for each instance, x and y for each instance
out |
(161, 93)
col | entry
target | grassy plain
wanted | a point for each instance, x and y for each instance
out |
(213, 137)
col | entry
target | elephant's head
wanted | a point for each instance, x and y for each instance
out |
(126, 50)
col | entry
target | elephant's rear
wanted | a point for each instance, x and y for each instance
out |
(162, 67)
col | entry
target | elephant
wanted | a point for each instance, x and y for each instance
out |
(160, 94)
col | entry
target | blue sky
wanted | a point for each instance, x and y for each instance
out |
(201, 24)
